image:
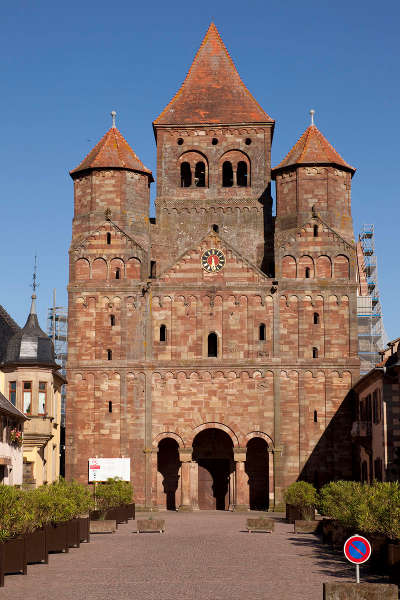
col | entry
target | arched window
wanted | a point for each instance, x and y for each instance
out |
(241, 174)
(110, 407)
(117, 273)
(261, 332)
(227, 174)
(315, 416)
(315, 230)
(200, 175)
(186, 175)
(315, 352)
(109, 354)
(112, 320)
(108, 238)
(316, 319)
(307, 273)
(215, 228)
(163, 333)
(212, 345)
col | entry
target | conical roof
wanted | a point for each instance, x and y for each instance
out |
(112, 151)
(212, 91)
(313, 149)
(30, 344)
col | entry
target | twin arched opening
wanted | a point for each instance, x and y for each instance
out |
(210, 476)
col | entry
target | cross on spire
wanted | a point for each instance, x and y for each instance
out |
(113, 115)
(312, 113)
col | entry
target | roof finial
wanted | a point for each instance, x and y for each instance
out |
(312, 113)
(34, 286)
(113, 115)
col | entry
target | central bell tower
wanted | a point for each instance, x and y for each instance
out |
(213, 161)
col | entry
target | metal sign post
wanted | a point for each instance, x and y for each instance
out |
(357, 550)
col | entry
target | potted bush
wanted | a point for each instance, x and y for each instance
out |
(16, 517)
(301, 499)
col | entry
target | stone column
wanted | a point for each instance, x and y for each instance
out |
(154, 478)
(232, 496)
(194, 485)
(161, 497)
(185, 456)
(271, 484)
(242, 482)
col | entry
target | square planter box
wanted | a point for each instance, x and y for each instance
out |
(150, 525)
(393, 562)
(36, 546)
(73, 535)
(103, 526)
(261, 524)
(307, 526)
(84, 532)
(12, 557)
(57, 537)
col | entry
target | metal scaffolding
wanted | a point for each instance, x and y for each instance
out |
(371, 332)
(57, 329)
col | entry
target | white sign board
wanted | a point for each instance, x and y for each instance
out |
(101, 469)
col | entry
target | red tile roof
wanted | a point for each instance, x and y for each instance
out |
(112, 151)
(212, 91)
(312, 149)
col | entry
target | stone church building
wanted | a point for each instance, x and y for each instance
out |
(214, 345)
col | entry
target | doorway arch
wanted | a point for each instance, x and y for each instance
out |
(257, 469)
(213, 452)
(168, 464)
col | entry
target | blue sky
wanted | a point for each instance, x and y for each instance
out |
(65, 66)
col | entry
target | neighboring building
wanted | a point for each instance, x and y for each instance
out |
(33, 385)
(376, 431)
(11, 436)
(214, 345)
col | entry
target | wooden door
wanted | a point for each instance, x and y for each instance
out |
(206, 494)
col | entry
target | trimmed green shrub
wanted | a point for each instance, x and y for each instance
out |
(16, 513)
(301, 493)
(367, 508)
(113, 493)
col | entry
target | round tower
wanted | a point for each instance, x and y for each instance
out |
(112, 181)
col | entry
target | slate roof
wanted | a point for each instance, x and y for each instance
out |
(30, 344)
(9, 409)
(9, 320)
(313, 149)
(212, 91)
(112, 151)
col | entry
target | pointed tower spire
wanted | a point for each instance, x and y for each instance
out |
(212, 91)
(112, 151)
(313, 149)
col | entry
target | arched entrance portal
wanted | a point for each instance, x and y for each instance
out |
(257, 469)
(168, 465)
(213, 451)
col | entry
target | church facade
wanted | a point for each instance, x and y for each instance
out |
(216, 344)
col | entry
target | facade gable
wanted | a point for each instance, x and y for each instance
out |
(188, 268)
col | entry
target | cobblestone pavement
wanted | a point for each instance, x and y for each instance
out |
(202, 556)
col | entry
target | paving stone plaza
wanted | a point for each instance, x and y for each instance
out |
(206, 555)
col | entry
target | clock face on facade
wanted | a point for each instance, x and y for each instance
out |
(213, 260)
